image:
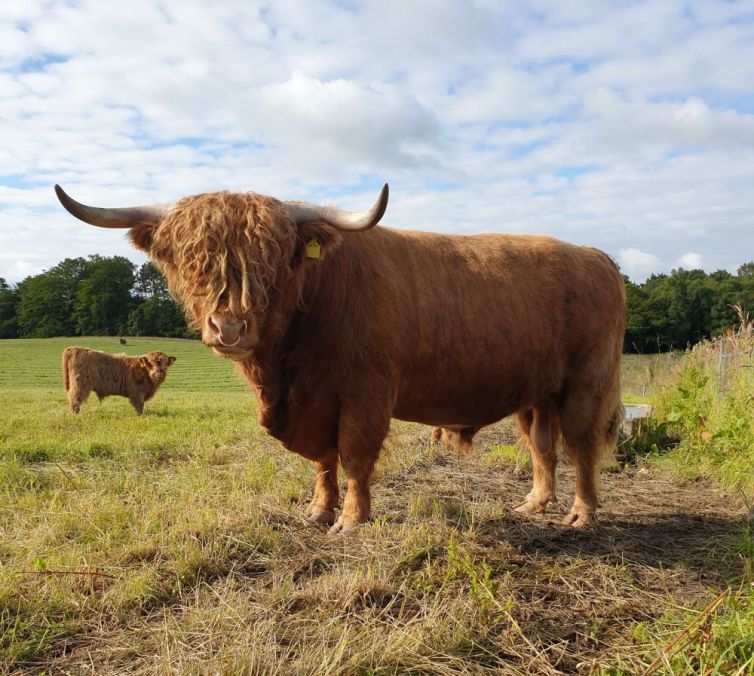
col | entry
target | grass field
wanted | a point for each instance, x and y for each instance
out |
(35, 362)
(175, 543)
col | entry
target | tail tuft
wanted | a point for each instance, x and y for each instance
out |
(614, 422)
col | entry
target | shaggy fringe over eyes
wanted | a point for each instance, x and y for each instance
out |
(225, 250)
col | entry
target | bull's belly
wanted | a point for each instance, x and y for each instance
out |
(451, 418)
(472, 390)
(476, 409)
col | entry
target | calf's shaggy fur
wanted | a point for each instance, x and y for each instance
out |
(136, 378)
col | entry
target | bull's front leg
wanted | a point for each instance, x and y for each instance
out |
(361, 432)
(322, 507)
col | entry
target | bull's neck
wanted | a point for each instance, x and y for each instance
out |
(293, 318)
(269, 373)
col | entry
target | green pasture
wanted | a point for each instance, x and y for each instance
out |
(176, 542)
(35, 362)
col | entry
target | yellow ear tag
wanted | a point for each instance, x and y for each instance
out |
(313, 249)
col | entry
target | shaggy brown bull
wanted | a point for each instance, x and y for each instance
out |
(338, 330)
(136, 378)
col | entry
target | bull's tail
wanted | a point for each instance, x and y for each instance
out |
(614, 414)
(67, 354)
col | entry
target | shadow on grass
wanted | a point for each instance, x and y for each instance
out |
(696, 543)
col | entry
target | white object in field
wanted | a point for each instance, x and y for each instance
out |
(635, 414)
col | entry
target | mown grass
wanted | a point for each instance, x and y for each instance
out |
(175, 542)
(35, 362)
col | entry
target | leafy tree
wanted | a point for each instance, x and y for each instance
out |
(103, 299)
(150, 283)
(672, 311)
(746, 270)
(638, 325)
(157, 314)
(8, 307)
(46, 301)
(155, 317)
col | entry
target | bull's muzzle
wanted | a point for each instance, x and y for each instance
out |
(224, 331)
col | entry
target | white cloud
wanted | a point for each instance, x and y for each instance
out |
(627, 126)
(19, 269)
(313, 119)
(689, 261)
(638, 264)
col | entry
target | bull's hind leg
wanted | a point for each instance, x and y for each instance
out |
(322, 507)
(539, 431)
(465, 440)
(583, 452)
(585, 437)
(590, 414)
(361, 431)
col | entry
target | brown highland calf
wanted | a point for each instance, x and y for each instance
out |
(136, 378)
(339, 325)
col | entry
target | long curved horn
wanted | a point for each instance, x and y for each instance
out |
(301, 212)
(113, 218)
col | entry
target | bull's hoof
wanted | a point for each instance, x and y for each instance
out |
(534, 506)
(579, 519)
(325, 517)
(530, 508)
(344, 525)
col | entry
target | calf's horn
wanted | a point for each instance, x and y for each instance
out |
(113, 218)
(300, 212)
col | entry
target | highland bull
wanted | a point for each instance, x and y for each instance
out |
(105, 374)
(339, 325)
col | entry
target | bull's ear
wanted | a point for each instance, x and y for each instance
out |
(171, 361)
(314, 241)
(141, 236)
(144, 362)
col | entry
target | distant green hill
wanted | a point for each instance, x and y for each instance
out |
(35, 362)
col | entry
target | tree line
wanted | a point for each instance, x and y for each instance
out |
(670, 312)
(97, 296)
(112, 296)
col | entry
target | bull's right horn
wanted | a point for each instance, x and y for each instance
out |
(126, 217)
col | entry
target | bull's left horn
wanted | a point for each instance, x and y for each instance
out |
(126, 217)
(301, 212)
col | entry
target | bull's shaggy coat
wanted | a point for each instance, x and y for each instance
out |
(136, 378)
(453, 331)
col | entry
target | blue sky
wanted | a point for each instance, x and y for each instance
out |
(623, 125)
